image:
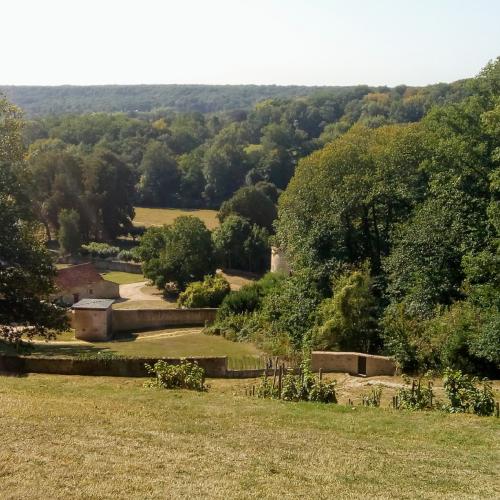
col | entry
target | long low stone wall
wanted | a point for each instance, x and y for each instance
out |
(117, 265)
(350, 362)
(215, 367)
(104, 264)
(124, 320)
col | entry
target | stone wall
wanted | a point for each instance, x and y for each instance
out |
(120, 367)
(104, 264)
(144, 319)
(117, 265)
(348, 362)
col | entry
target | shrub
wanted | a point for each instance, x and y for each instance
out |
(185, 375)
(128, 256)
(374, 397)
(406, 340)
(348, 320)
(102, 250)
(245, 300)
(465, 395)
(302, 387)
(207, 293)
(249, 297)
(416, 397)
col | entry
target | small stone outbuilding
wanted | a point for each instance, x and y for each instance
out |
(92, 319)
(83, 281)
(354, 363)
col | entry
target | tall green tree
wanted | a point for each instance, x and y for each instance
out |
(109, 193)
(242, 245)
(69, 236)
(159, 181)
(26, 269)
(176, 255)
(251, 203)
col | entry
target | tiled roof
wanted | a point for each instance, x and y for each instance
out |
(81, 274)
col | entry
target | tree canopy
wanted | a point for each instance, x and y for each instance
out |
(26, 268)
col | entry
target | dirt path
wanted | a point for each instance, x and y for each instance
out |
(139, 291)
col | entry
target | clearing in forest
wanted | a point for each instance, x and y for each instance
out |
(158, 216)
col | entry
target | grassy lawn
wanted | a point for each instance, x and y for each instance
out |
(84, 437)
(172, 342)
(159, 216)
(123, 278)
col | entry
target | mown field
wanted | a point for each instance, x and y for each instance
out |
(158, 216)
(122, 278)
(170, 342)
(84, 437)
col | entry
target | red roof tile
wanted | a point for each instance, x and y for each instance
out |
(81, 274)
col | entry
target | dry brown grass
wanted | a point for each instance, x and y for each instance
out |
(83, 437)
(158, 216)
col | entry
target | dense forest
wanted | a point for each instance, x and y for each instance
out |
(393, 237)
(166, 158)
(73, 99)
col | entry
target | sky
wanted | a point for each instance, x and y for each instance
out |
(303, 42)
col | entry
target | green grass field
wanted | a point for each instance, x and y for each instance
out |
(84, 437)
(173, 342)
(123, 278)
(158, 216)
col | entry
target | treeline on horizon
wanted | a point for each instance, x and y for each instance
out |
(41, 100)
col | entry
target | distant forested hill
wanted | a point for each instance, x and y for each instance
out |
(41, 100)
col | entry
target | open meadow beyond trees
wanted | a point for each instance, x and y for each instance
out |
(148, 217)
(83, 437)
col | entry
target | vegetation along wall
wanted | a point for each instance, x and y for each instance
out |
(119, 367)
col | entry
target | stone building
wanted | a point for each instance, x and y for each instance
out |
(92, 319)
(279, 262)
(82, 281)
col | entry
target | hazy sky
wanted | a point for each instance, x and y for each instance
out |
(307, 42)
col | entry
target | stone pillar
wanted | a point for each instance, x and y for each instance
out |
(279, 262)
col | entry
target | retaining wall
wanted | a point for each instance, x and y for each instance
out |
(143, 319)
(117, 265)
(348, 362)
(104, 264)
(121, 367)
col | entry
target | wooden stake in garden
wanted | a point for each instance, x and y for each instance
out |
(274, 376)
(280, 381)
